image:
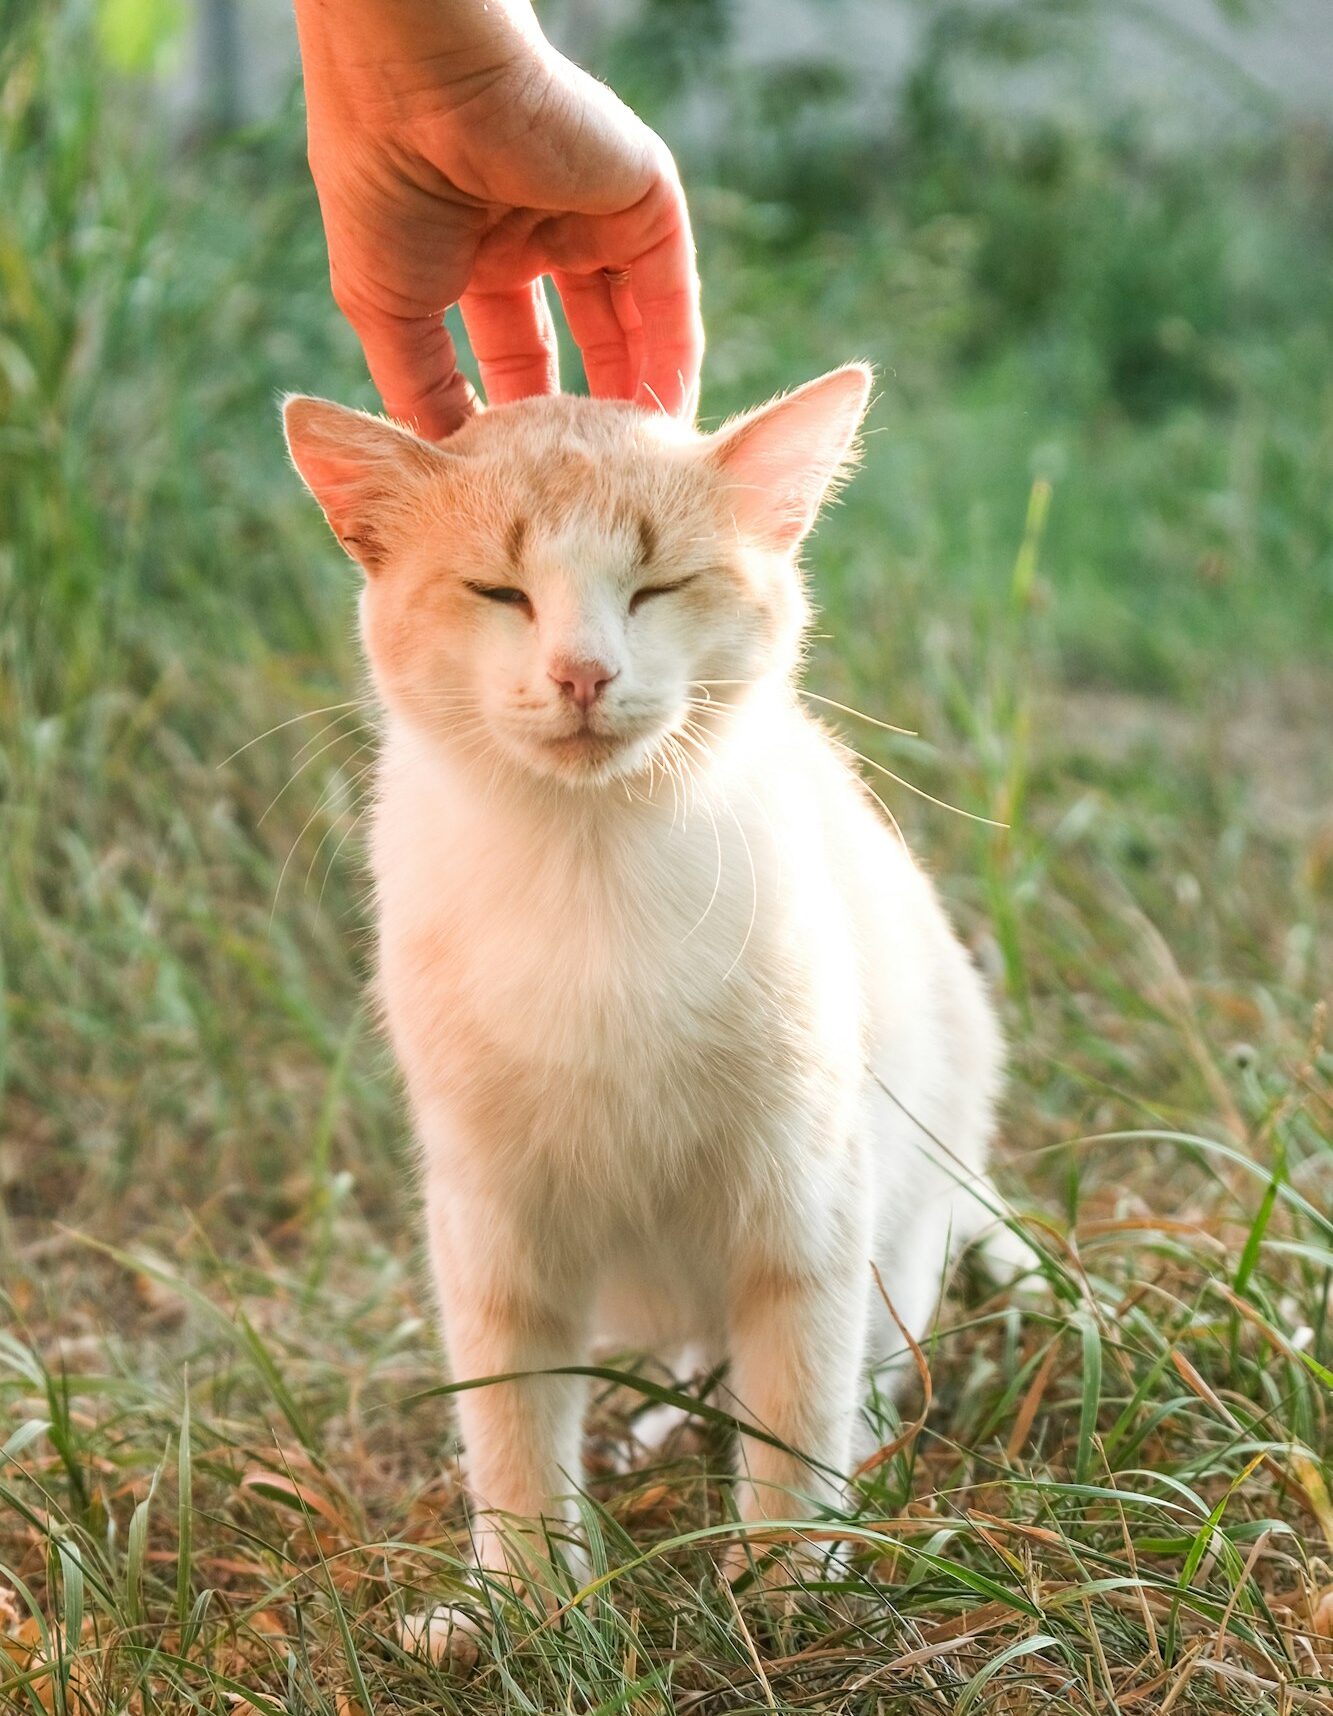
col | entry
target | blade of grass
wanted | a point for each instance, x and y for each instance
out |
(184, 1510)
(1090, 1405)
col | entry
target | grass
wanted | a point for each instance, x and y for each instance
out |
(1088, 560)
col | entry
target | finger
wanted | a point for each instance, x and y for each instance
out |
(513, 338)
(598, 334)
(415, 370)
(627, 314)
(412, 362)
(666, 289)
(627, 318)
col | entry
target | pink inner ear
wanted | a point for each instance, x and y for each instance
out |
(355, 466)
(342, 486)
(348, 491)
(781, 459)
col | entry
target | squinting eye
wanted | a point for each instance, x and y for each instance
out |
(650, 590)
(503, 593)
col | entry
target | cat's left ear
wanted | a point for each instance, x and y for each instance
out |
(780, 461)
(364, 471)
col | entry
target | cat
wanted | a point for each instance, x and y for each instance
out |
(694, 1058)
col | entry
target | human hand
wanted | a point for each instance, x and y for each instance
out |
(458, 159)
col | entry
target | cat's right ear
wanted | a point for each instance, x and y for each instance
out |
(362, 470)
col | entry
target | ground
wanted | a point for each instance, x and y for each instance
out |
(1087, 560)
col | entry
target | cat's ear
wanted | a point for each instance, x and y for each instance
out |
(362, 470)
(781, 460)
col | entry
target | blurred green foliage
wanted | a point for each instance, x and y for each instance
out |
(1089, 560)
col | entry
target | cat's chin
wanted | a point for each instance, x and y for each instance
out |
(587, 759)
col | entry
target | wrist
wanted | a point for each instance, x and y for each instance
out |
(405, 55)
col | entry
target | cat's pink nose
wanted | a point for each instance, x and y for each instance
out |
(583, 682)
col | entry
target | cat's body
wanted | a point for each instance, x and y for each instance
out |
(636, 1011)
(691, 1048)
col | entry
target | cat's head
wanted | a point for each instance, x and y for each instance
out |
(566, 584)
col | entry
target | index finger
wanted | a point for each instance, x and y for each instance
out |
(411, 357)
(665, 283)
(414, 366)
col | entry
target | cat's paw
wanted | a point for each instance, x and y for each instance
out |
(659, 1434)
(653, 1430)
(1007, 1260)
(447, 1636)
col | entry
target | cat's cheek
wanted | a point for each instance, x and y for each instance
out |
(769, 611)
(783, 616)
(364, 618)
(764, 638)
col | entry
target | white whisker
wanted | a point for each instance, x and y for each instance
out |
(860, 714)
(296, 775)
(353, 703)
(939, 803)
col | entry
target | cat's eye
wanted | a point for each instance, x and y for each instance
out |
(639, 597)
(506, 594)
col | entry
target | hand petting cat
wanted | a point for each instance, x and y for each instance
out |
(459, 158)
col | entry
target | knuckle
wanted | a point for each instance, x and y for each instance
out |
(348, 297)
(603, 351)
(516, 366)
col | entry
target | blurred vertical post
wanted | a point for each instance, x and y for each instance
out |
(220, 65)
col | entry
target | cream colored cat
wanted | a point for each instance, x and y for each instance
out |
(689, 1042)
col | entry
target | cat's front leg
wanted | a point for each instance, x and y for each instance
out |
(798, 1336)
(512, 1301)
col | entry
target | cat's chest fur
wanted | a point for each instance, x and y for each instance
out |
(630, 974)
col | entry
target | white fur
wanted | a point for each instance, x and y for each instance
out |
(686, 1056)
(682, 1005)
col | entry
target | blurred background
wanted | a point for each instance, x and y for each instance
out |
(1089, 559)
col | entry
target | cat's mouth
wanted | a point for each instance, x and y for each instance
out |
(588, 749)
(592, 752)
(587, 744)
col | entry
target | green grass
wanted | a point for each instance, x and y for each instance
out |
(1088, 559)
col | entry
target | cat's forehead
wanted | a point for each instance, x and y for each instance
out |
(599, 481)
(601, 428)
(591, 544)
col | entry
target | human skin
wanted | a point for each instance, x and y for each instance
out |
(459, 158)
